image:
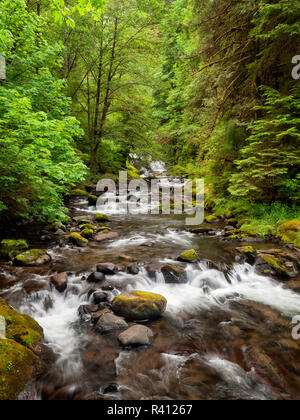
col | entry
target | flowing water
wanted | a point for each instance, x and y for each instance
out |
(226, 334)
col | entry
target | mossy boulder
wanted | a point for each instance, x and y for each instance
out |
(101, 217)
(11, 247)
(277, 264)
(87, 226)
(32, 258)
(103, 228)
(138, 306)
(212, 218)
(189, 256)
(87, 233)
(18, 363)
(17, 366)
(20, 328)
(289, 232)
(78, 240)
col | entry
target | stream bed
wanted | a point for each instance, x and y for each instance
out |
(226, 333)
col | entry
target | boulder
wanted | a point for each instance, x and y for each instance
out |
(137, 305)
(174, 274)
(189, 256)
(249, 252)
(87, 233)
(78, 240)
(107, 268)
(105, 236)
(100, 297)
(32, 258)
(109, 321)
(202, 230)
(60, 282)
(96, 278)
(19, 362)
(92, 199)
(211, 219)
(138, 335)
(271, 264)
(289, 232)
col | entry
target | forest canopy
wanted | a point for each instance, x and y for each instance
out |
(206, 86)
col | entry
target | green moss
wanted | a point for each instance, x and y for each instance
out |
(30, 257)
(228, 214)
(101, 217)
(139, 306)
(92, 200)
(248, 250)
(10, 247)
(87, 226)
(20, 328)
(87, 233)
(289, 232)
(103, 228)
(189, 256)
(275, 263)
(133, 173)
(77, 239)
(211, 218)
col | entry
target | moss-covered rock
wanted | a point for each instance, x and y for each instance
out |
(228, 214)
(289, 232)
(277, 264)
(20, 328)
(87, 226)
(212, 218)
(83, 222)
(11, 247)
(101, 217)
(32, 258)
(103, 228)
(18, 363)
(189, 256)
(138, 306)
(87, 233)
(78, 240)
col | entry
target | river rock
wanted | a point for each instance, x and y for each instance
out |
(133, 269)
(109, 321)
(136, 306)
(85, 312)
(138, 335)
(107, 268)
(67, 393)
(190, 256)
(103, 236)
(202, 230)
(127, 258)
(96, 278)
(99, 297)
(174, 274)
(78, 240)
(275, 265)
(19, 356)
(32, 258)
(60, 282)
(33, 286)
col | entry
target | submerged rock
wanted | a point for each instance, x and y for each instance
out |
(78, 240)
(60, 282)
(138, 335)
(107, 268)
(32, 258)
(109, 321)
(136, 306)
(105, 236)
(189, 256)
(174, 274)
